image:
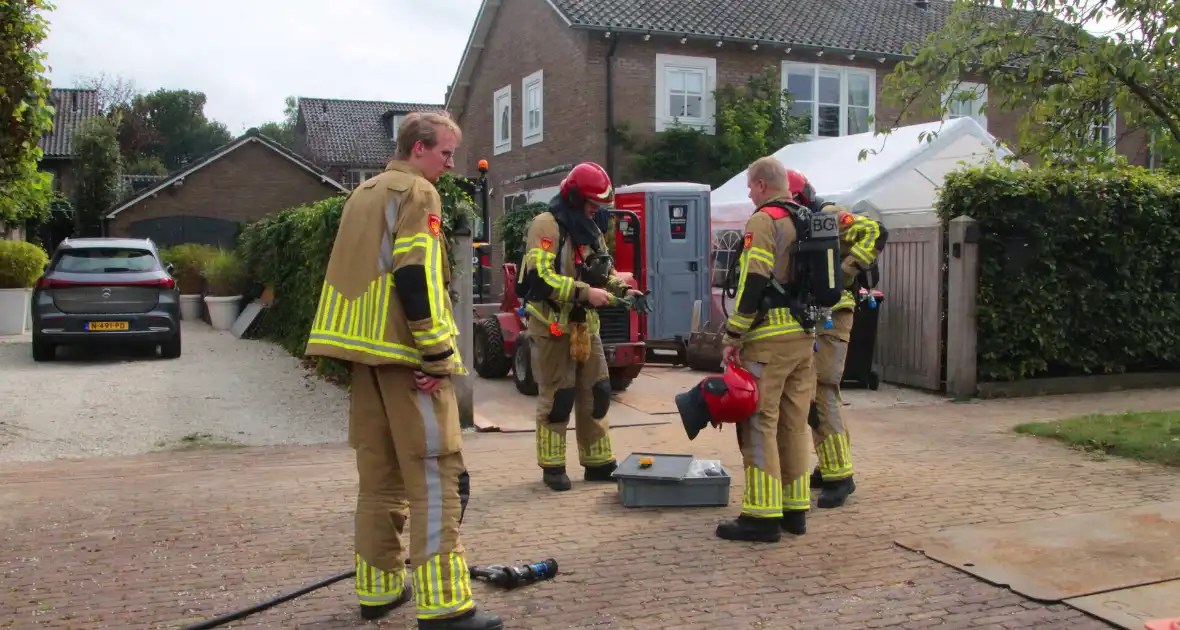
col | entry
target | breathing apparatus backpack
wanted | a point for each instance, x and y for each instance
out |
(815, 279)
(869, 278)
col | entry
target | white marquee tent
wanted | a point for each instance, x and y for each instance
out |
(898, 185)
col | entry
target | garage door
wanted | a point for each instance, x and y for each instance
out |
(169, 231)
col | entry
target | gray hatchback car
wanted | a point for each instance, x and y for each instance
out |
(106, 290)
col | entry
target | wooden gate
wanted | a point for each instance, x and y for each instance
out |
(910, 329)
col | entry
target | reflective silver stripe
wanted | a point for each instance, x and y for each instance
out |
(385, 258)
(434, 501)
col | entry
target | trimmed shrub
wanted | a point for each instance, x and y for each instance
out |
(225, 274)
(188, 261)
(21, 264)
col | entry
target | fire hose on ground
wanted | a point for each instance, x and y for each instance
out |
(505, 576)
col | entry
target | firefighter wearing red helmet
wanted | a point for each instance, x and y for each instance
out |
(771, 343)
(566, 274)
(861, 240)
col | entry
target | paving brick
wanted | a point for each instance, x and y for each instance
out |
(161, 540)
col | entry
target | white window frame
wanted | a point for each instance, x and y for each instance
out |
(532, 135)
(501, 103)
(1112, 139)
(844, 71)
(357, 176)
(394, 124)
(705, 65)
(977, 103)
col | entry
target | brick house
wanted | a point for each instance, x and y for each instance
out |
(541, 81)
(351, 140)
(209, 199)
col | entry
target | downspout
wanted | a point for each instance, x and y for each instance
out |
(610, 106)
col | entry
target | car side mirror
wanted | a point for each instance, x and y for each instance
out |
(169, 268)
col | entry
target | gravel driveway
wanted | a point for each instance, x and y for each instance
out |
(222, 391)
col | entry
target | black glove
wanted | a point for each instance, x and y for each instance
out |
(642, 303)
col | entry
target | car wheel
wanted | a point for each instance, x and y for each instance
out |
(171, 349)
(43, 350)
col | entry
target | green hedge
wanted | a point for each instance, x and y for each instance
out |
(1079, 269)
(289, 251)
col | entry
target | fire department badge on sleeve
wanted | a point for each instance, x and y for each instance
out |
(546, 243)
(846, 219)
(435, 224)
(749, 239)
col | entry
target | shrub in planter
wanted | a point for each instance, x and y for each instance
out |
(225, 280)
(21, 264)
(188, 262)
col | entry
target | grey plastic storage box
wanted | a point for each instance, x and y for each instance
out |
(667, 483)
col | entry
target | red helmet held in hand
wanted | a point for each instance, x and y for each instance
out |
(801, 190)
(588, 182)
(731, 397)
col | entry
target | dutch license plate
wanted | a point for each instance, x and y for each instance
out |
(100, 326)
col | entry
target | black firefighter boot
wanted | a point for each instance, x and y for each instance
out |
(370, 613)
(556, 478)
(601, 472)
(835, 493)
(795, 522)
(749, 529)
(817, 479)
(474, 619)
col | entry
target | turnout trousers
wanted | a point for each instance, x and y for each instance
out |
(409, 457)
(566, 387)
(776, 451)
(828, 429)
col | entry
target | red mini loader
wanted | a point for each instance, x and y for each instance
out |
(500, 343)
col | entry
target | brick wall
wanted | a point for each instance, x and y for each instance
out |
(246, 185)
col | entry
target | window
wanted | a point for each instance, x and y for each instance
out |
(357, 176)
(684, 92)
(106, 260)
(532, 118)
(838, 100)
(1104, 133)
(502, 123)
(971, 108)
(394, 125)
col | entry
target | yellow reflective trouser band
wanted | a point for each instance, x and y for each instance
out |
(798, 494)
(375, 587)
(440, 595)
(763, 496)
(598, 454)
(550, 447)
(835, 457)
(779, 321)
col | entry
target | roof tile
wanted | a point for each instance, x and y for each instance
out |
(351, 133)
(73, 106)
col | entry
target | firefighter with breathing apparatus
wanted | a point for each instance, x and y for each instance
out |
(861, 240)
(786, 278)
(567, 272)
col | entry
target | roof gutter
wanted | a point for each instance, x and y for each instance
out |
(614, 31)
(610, 107)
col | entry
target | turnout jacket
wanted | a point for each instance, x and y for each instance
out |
(860, 243)
(384, 299)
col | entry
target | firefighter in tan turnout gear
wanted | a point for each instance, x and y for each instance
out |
(384, 307)
(765, 334)
(861, 240)
(567, 272)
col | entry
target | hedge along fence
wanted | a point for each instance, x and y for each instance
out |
(1079, 269)
(289, 251)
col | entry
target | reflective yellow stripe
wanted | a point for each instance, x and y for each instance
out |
(779, 321)
(375, 587)
(550, 447)
(441, 329)
(563, 286)
(440, 593)
(847, 301)
(835, 457)
(798, 494)
(598, 454)
(763, 496)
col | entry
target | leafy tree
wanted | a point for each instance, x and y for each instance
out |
(284, 131)
(113, 91)
(752, 121)
(98, 170)
(170, 125)
(1038, 59)
(25, 112)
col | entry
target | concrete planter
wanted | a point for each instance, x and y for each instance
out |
(14, 310)
(223, 310)
(190, 307)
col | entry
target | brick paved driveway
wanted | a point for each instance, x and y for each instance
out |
(160, 540)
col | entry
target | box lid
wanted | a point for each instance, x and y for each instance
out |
(664, 467)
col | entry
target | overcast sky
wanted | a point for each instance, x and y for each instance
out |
(248, 55)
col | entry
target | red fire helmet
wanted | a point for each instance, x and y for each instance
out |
(801, 190)
(729, 398)
(588, 182)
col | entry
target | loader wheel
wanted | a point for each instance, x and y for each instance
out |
(522, 368)
(618, 382)
(488, 350)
